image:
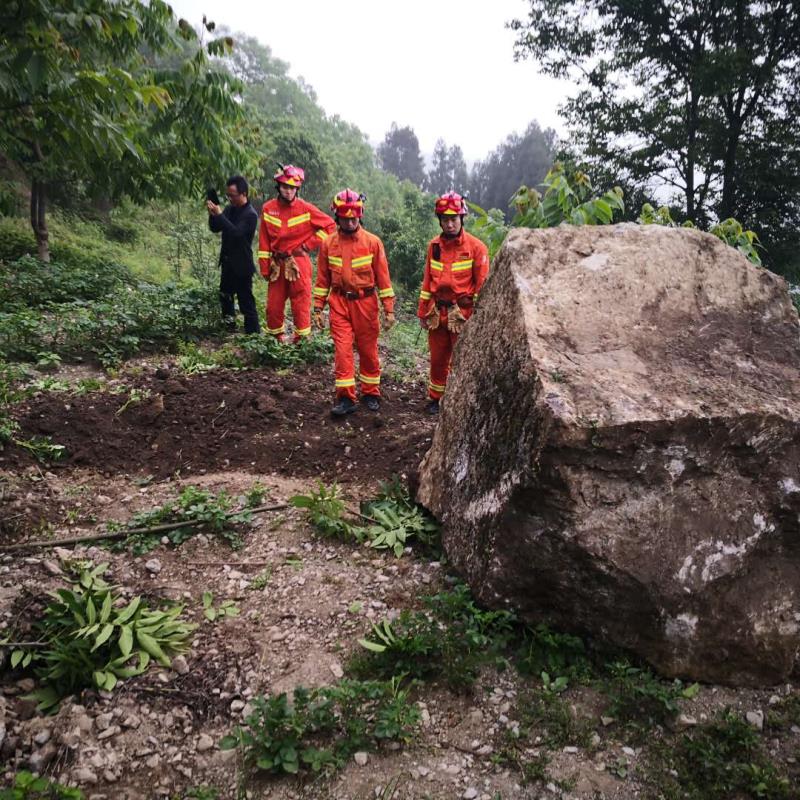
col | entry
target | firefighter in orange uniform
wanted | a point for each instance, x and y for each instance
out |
(290, 229)
(455, 269)
(352, 276)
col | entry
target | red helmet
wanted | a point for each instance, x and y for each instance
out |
(451, 203)
(292, 176)
(348, 204)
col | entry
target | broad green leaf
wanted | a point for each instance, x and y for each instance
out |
(373, 646)
(125, 640)
(103, 636)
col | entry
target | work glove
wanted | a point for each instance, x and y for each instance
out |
(455, 319)
(389, 320)
(291, 270)
(433, 318)
(274, 270)
(319, 320)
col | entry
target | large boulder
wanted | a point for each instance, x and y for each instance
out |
(619, 448)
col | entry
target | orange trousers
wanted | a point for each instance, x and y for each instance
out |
(299, 294)
(441, 343)
(355, 322)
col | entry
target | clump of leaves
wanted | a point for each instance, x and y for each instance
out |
(88, 636)
(785, 713)
(326, 510)
(558, 655)
(549, 716)
(392, 518)
(397, 520)
(452, 638)
(214, 511)
(717, 761)
(33, 787)
(227, 608)
(639, 698)
(321, 728)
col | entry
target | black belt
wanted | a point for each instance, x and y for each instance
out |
(357, 295)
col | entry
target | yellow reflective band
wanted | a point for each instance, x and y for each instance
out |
(322, 235)
(275, 330)
(264, 254)
(423, 295)
(371, 381)
(346, 382)
(272, 220)
(320, 292)
(386, 292)
(435, 386)
(437, 265)
(474, 297)
(458, 266)
(303, 331)
(361, 261)
(335, 260)
(299, 220)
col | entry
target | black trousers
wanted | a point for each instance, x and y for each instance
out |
(241, 287)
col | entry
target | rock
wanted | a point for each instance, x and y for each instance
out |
(630, 466)
(336, 669)
(685, 721)
(756, 719)
(153, 566)
(26, 684)
(43, 737)
(180, 665)
(40, 759)
(361, 758)
(204, 742)
(52, 567)
(237, 705)
(103, 721)
(470, 794)
(109, 732)
(85, 775)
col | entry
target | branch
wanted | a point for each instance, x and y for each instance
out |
(168, 526)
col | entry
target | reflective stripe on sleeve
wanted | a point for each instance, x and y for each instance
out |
(319, 291)
(386, 292)
(322, 235)
(272, 220)
(437, 265)
(423, 295)
(264, 254)
(299, 220)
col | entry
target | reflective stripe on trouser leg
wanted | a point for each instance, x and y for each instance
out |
(343, 338)
(440, 342)
(367, 327)
(277, 293)
(300, 297)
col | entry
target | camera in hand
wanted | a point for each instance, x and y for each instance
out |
(211, 194)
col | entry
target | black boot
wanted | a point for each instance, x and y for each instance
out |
(432, 407)
(372, 402)
(344, 406)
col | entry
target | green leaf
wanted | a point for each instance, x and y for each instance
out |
(373, 646)
(16, 657)
(129, 610)
(229, 743)
(103, 636)
(36, 70)
(125, 640)
(105, 611)
(152, 647)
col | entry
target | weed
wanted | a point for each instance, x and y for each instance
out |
(551, 717)
(531, 765)
(33, 787)
(784, 714)
(42, 448)
(227, 608)
(639, 698)
(322, 728)
(717, 761)
(451, 639)
(560, 655)
(194, 361)
(87, 638)
(260, 580)
(135, 396)
(326, 510)
(192, 504)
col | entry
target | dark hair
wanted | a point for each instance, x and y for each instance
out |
(239, 182)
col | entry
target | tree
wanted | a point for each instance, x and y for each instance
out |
(672, 95)
(399, 154)
(81, 93)
(519, 160)
(448, 170)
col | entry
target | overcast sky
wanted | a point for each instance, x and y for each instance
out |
(445, 68)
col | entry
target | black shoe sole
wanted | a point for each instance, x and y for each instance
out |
(351, 410)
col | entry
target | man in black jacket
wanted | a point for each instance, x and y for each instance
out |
(238, 224)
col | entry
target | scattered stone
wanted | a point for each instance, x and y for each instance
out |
(361, 758)
(39, 759)
(629, 751)
(336, 669)
(153, 566)
(180, 665)
(237, 705)
(685, 721)
(470, 794)
(607, 721)
(774, 700)
(26, 684)
(109, 732)
(52, 567)
(43, 737)
(756, 719)
(103, 721)
(204, 742)
(153, 761)
(85, 775)
(131, 721)
(571, 750)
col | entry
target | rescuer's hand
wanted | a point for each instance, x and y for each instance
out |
(389, 320)
(423, 323)
(319, 320)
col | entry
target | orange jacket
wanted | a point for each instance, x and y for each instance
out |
(288, 226)
(351, 263)
(454, 268)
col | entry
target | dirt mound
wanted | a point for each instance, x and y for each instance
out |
(256, 420)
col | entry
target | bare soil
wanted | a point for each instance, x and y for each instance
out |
(157, 736)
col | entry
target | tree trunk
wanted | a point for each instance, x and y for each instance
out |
(727, 204)
(39, 219)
